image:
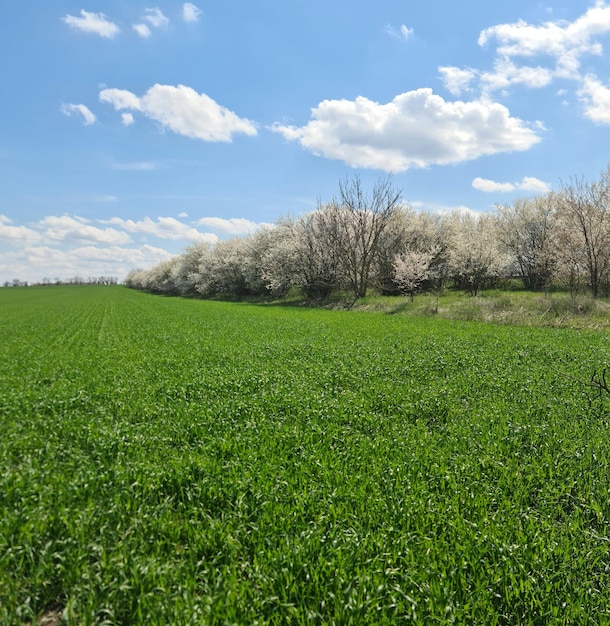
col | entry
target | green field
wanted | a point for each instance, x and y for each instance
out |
(169, 461)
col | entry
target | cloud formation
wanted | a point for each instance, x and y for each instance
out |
(94, 23)
(558, 47)
(232, 226)
(416, 129)
(162, 228)
(191, 12)
(183, 111)
(527, 183)
(404, 32)
(88, 117)
(78, 229)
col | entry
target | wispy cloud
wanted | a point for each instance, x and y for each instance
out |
(142, 30)
(191, 12)
(135, 166)
(94, 23)
(404, 32)
(69, 109)
(156, 18)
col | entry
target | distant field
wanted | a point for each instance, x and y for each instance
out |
(169, 461)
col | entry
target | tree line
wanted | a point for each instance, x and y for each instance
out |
(364, 240)
(74, 280)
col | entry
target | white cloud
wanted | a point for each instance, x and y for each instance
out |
(120, 99)
(16, 233)
(142, 30)
(416, 129)
(127, 119)
(191, 12)
(88, 117)
(37, 262)
(457, 80)
(95, 23)
(527, 183)
(77, 229)
(566, 42)
(404, 32)
(506, 73)
(183, 214)
(183, 111)
(596, 99)
(233, 226)
(483, 184)
(162, 228)
(156, 18)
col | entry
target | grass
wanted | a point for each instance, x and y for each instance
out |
(169, 461)
(521, 308)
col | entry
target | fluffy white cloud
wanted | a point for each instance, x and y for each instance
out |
(183, 111)
(127, 119)
(77, 229)
(120, 99)
(527, 183)
(191, 12)
(416, 129)
(16, 233)
(596, 99)
(88, 117)
(142, 30)
(95, 23)
(162, 228)
(564, 41)
(233, 226)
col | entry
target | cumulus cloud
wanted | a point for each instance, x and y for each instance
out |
(78, 229)
(88, 117)
(232, 226)
(162, 228)
(416, 129)
(596, 99)
(527, 183)
(533, 55)
(95, 23)
(191, 12)
(127, 119)
(565, 41)
(8, 232)
(183, 111)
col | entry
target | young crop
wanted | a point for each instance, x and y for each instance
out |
(169, 461)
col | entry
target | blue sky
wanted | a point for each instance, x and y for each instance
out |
(130, 129)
